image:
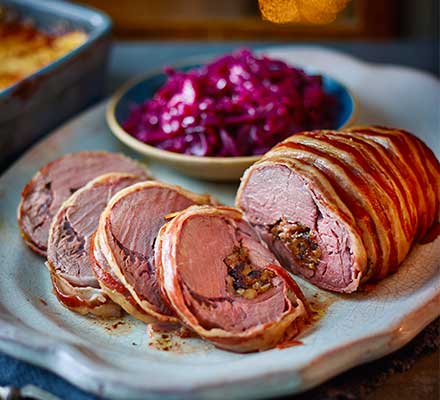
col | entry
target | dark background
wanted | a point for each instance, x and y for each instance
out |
(240, 19)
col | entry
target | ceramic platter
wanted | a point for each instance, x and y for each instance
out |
(117, 359)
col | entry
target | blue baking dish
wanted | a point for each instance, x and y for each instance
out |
(40, 102)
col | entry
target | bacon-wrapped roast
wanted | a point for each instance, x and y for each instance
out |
(343, 208)
(54, 183)
(224, 283)
(69, 241)
(126, 235)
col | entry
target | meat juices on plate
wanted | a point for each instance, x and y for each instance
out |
(70, 236)
(343, 208)
(44, 194)
(127, 233)
(228, 288)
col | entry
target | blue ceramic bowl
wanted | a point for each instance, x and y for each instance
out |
(210, 168)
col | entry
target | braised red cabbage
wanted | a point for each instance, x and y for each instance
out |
(237, 105)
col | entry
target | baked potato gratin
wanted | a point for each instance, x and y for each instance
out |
(24, 48)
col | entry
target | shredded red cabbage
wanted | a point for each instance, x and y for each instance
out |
(238, 105)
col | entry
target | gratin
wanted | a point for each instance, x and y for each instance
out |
(24, 49)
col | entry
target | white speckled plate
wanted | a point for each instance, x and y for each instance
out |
(119, 362)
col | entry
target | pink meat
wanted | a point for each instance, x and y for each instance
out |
(133, 243)
(72, 230)
(57, 181)
(274, 193)
(204, 287)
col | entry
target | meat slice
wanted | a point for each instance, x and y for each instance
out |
(224, 283)
(111, 285)
(343, 208)
(68, 253)
(127, 232)
(56, 182)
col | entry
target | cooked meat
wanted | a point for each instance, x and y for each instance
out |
(111, 285)
(127, 232)
(224, 283)
(84, 300)
(68, 253)
(53, 184)
(342, 208)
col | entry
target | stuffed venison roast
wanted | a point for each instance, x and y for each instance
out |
(229, 288)
(338, 208)
(68, 250)
(56, 182)
(343, 208)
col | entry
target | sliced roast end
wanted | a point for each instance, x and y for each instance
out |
(225, 284)
(306, 237)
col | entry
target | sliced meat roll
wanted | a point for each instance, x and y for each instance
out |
(127, 232)
(68, 253)
(53, 184)
(224, 283)
(342, 208)
(112, 286)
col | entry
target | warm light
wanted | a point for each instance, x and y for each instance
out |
(302, 11)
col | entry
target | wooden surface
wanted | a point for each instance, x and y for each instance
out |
(411, 373)
(420, 382)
